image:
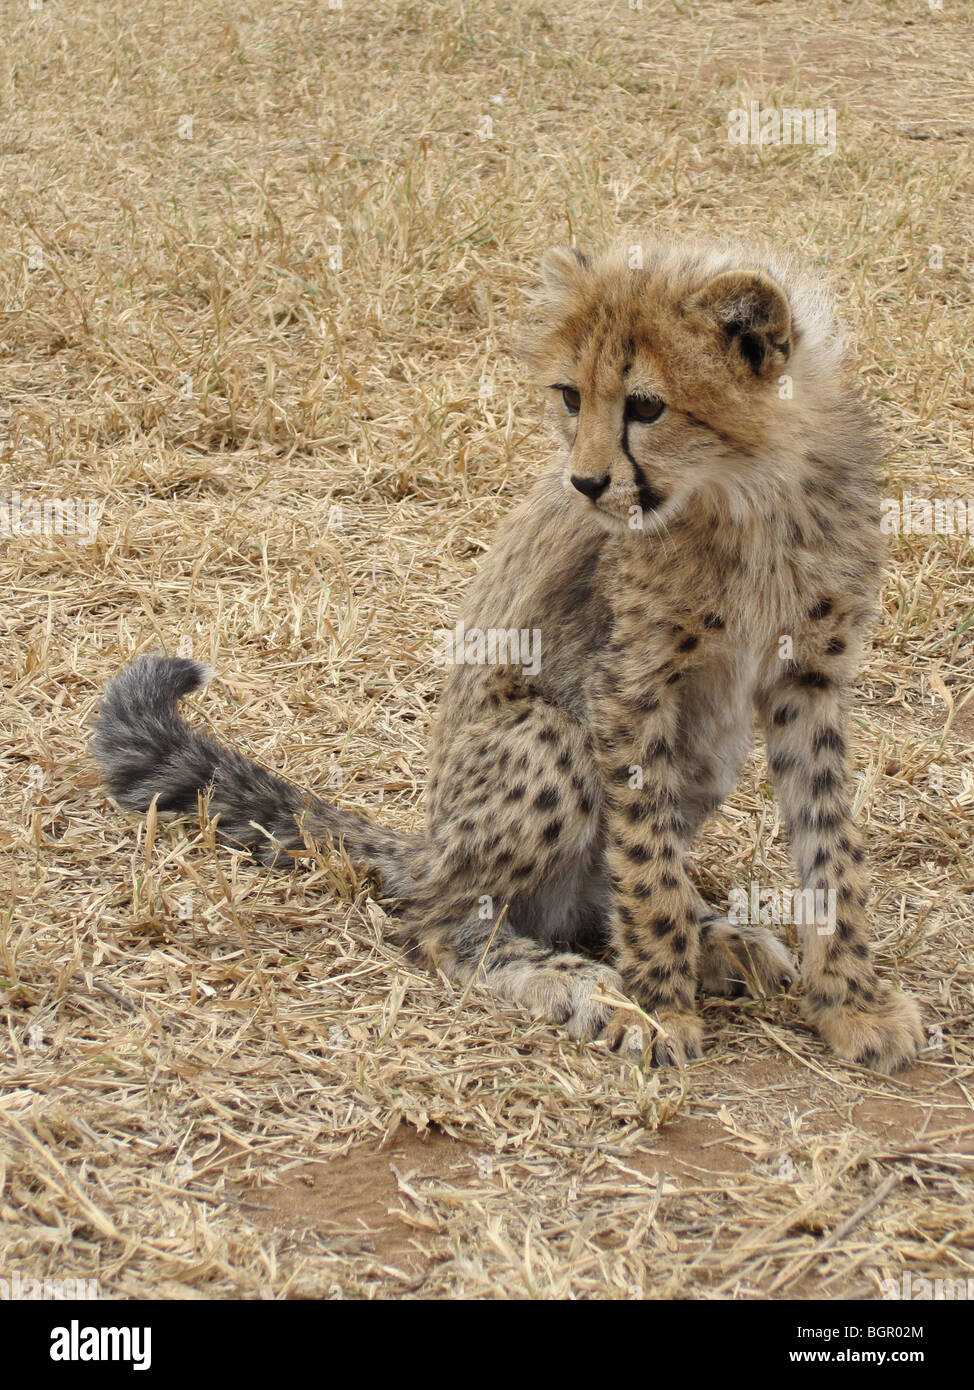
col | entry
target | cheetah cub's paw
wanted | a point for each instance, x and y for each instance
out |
(680, 1039)
(737, 959)
(571, 990)
(885, 1035)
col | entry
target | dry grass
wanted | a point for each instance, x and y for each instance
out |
(186, 1038)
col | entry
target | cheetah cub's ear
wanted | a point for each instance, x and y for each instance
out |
(563, 269)
(566, 283)
(750, 312)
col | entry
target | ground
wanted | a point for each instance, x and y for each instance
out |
(261, 265)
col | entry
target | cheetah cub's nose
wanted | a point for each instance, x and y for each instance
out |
(590, 487)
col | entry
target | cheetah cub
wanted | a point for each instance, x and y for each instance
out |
(713, 494)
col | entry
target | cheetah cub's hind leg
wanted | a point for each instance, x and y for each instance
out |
(507, 888)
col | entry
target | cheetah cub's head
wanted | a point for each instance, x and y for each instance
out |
(694, 373)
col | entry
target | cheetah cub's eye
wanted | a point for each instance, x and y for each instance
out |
(644, 409)
(571, 397)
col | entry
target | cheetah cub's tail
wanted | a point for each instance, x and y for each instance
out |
(145, 749)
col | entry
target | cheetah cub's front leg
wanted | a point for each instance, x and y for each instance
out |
(863, 1018)
(655, 915)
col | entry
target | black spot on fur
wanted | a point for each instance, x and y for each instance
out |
(828, 738)
(823, 782)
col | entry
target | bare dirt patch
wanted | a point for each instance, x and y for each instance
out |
(355, 1200)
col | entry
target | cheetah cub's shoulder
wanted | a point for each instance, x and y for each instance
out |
(705, 546)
